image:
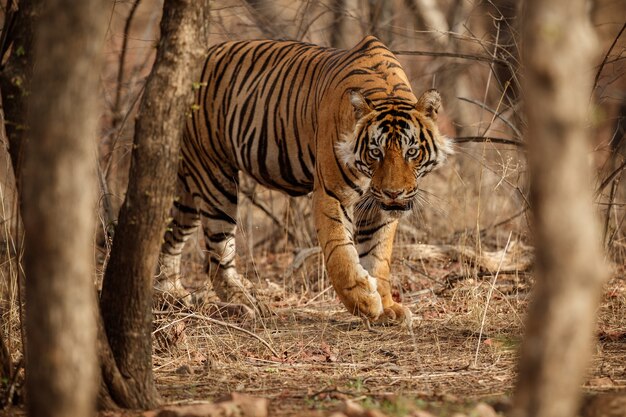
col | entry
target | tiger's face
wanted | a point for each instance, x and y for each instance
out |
(393, 145)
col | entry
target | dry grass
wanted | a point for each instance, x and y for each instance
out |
(320, 355)
(325, 355)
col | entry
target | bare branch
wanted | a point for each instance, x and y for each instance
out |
(497, 114)
(120, 71)
(606, 56)
(434, 20)
(479, 139)
(480, 58)
(610, 178)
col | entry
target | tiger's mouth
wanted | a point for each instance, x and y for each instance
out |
(396, 206)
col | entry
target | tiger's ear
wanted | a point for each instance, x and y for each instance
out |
(360, 103)
(429, 103)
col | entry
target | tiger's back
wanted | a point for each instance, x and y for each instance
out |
(260, 101)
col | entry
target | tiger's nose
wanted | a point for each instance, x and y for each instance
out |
(392, 193)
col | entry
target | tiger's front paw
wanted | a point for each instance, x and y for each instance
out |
(362, 298)
(398, 313)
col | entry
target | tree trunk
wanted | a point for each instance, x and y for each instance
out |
(126, 298)
(345, 32)
(16, 74)
(558, 54)
(503, 30)
(267, 16)
(58, 204)
(380, 20)
(15, 88)
(434, 21)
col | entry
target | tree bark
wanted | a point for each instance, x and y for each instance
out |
(58, 204)
(503, 30)
(15, 88)
(126, 298)
(16, 74)
(558, 54)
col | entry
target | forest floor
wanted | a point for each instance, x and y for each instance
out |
(311, 355)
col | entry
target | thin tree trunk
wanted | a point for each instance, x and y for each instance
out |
(15, 88)
(504, 29)
(58, 204)
(380, 20)
(345, 32)
(266, 15)
(558, 53)
(126, 298)
(16, 74)
(433, 19)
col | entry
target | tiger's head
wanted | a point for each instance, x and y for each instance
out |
(394, 143)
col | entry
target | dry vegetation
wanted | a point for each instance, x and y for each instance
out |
(462, 263)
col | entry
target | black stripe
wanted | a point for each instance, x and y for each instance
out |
(332, 251)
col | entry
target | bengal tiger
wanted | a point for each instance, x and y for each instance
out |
(301, 118)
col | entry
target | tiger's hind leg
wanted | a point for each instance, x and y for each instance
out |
(217, 206)
(374, 242)
(185, 221)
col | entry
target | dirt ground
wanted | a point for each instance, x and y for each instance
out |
(311, 355)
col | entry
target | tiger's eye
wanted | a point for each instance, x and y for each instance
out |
(376, 153)
(412, 153)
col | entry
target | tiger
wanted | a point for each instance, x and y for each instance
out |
(341, 125)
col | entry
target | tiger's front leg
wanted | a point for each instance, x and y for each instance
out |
(356, 288)
(374, 238)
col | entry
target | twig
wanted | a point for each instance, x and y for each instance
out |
(503, 141)
(117, 121)
(507, 182)
(230, 326)
(421, 272)
(493, 285)
(618, 228)
(452, 278)
(610, 178)
(606, 56)
(318, 295)
(607, 220)
(268, 23)
(495, 113)
(120, 71)
(109, 216)
(250, 196)
(109, 162)
(10, 391)
(505, 221)
(481, 58)
(330, 391)
(10, 16)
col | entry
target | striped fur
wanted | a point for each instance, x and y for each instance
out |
(342, 124)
